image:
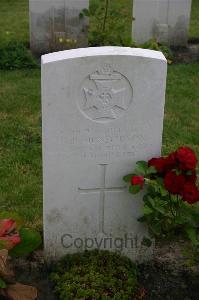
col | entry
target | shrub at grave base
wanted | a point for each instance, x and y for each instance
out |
(154, 45)
(16, 56)
(171, 204)
(96, 275)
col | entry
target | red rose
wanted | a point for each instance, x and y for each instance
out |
(186, 158)
(190, 193)
(9, 235)
(158, 163)
(170, 161)
(192, 178)
(174, 183)
(137, 180)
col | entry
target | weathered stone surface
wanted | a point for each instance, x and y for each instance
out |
(102, 111)
(56, 25)
(166, 20)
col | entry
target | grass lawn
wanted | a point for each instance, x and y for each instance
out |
(14, 24)
(20, 116)
(181, 126)
(194, 24)
(20, 144)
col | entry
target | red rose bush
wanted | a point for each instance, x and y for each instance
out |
(171, 198)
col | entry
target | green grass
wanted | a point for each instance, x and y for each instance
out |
(181, 126)
(20, 132)
(194, 24)
(20, 144)
(14, 21)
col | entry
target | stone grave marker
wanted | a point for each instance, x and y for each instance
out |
(56, 25)
(102, 111)
(165, 20)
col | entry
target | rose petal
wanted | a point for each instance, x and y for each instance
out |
(7, 226)
(14, 238)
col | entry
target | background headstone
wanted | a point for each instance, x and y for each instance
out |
(166, 20)
(102, 111)
(56, 25)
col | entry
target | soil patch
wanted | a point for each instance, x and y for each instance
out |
(189, 54)
(163, 281)
(35, 272)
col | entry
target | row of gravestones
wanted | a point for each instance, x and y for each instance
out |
(55, 24)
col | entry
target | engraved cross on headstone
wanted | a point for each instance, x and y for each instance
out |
(102, 189)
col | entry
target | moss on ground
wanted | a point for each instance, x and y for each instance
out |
(96, 275)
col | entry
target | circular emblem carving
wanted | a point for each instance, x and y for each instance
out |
(105, 95)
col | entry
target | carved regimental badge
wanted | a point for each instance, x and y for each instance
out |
(106, 95)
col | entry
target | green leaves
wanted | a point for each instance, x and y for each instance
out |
(16, 56)
(2, 284)
(193, 235)
(30, 240)
(128, 177)
(134, 189)
(147, 210)
(151, 170)
(141, 168)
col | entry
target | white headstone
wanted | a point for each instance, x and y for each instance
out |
(102, 111)
(165, 20)
(56, 25)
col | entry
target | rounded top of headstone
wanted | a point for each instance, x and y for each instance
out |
(100, 51)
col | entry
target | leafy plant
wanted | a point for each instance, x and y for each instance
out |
(110, 23)
(97, 275)
(16, 56)
(154, 45)
(172, 196)
(15, 240)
